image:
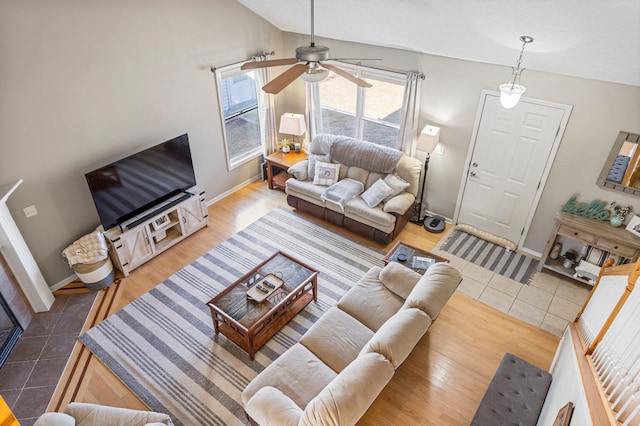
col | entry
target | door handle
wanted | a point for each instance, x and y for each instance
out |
(475, 164)
(472, 174)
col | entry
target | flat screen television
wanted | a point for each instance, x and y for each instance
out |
(128, 187)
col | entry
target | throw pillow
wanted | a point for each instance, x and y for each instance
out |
(376, 193)
(396, 183)
(313, 158)
(300, 170)
(326, 173)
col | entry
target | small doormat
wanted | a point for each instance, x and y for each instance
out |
(490, 256)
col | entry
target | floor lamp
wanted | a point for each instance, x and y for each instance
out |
(427, 142)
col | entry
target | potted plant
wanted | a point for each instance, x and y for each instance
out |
(570, 257)
(620, 213)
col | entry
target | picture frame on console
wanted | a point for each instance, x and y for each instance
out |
(634, 225)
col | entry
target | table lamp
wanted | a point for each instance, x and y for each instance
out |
(294, 125)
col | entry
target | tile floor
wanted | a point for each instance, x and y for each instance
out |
(30, 375)
(550, 301)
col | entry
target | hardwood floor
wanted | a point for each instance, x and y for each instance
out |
(442, 381)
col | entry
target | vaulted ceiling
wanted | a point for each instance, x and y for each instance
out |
(595, 39)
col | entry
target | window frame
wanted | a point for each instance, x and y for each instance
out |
(363, 72)
(223, 73)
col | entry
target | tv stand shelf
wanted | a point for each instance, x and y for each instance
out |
(161, 229)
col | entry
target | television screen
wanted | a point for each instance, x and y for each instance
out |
(130, 186)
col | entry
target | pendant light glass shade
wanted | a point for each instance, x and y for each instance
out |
(510, 92)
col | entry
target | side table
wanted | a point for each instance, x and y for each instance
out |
(413, 255)
(277, 165)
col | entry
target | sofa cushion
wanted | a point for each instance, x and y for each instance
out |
(326, 173)
(312, 160)
(51, 419)
(376, 193)
(373, 178)
(399, 279)
(410, 169)
(269, 406)
(356, 173)
(321, 143)
(300, 170)
(358, 210)
(369, 301)
(398, 336)
(306, 190)
(434, 289)
(297, 365)
(351, 393)
(397, 185)
(336, 338)
(399, 204)
(93, 414)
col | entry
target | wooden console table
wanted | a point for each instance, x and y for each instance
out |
(280, 162)
(595, 233)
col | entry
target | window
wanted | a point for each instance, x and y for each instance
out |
(372, 114)
(239, 104)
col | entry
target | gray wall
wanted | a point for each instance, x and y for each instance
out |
(450, 96)
(84, 83)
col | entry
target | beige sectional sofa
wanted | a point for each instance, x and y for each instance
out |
(361, 165)
(348, 356)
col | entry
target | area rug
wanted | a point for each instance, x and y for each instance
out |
(163, 346)
(493, 257)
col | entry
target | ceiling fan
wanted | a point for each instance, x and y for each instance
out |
(308, 64)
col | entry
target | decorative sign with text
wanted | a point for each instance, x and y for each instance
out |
(594, 210)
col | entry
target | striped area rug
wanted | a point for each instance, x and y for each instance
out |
(490, 256)
(163, 347)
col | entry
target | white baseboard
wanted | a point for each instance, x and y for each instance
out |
(234, 189)
(64, 282)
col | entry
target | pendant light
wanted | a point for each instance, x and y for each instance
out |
(510, 92)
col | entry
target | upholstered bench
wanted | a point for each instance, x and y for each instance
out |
(515, 395)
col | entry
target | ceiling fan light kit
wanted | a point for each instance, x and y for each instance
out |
(308, 66)
(511, 92)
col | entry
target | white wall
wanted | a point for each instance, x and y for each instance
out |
(86, 82)
(450, 96)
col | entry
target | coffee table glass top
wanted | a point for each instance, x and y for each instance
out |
(412, 257)
(234, 301)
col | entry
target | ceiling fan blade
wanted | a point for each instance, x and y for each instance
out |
(346, 75)
(271, 63)
(276, 85)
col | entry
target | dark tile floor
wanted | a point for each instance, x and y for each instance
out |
(30, 375)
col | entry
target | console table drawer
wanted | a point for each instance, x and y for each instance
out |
(614, 247)
(577, 234)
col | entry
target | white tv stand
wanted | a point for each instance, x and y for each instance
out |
(152, 232)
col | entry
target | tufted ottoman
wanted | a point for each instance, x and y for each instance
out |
(515, 395)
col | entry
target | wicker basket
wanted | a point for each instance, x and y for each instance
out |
(96, 276)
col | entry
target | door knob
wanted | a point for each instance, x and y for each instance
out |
(473, 174)
(475, 164)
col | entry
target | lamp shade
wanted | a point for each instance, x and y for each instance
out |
(428, 139)
(292, 124)
(510, 94)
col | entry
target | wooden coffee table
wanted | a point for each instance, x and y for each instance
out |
(411, 254)
(250, 324)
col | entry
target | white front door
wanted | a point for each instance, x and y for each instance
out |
(509, 158)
